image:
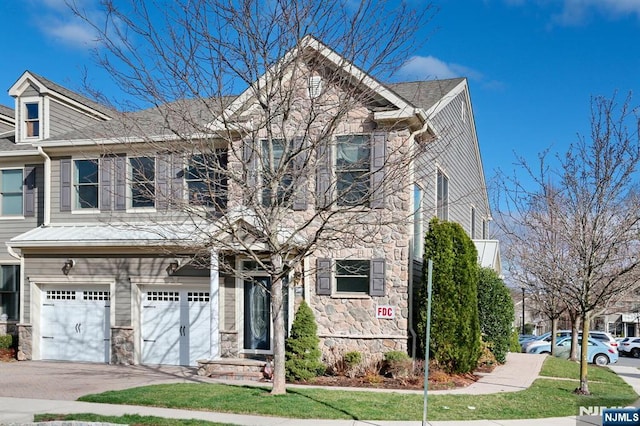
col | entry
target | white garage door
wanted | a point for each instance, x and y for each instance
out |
(176, 326)
(75, 325)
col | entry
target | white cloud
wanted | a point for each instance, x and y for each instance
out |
(430, 67)
(580, 12)
(72, 34)
(55, 19)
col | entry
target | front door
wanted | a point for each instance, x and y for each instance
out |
(257, 314)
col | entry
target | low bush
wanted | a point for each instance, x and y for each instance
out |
(397, 364)
(6, 341)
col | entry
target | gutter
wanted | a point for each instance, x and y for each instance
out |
(414, 337)
(47, 186)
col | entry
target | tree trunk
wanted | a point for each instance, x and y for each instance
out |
(279, 376)
(584, 347)
(554, 331)
(573, 356)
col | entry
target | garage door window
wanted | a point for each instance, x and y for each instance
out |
(9, 291)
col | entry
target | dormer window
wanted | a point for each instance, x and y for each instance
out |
(32, 119)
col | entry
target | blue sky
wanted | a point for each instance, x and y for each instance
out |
(532, 65)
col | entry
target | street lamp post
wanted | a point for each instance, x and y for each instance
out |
(523, 311)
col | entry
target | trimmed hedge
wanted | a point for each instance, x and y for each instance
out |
(495, 310)
(301, 349)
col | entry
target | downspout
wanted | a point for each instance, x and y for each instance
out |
(47, 186)
(412, 137)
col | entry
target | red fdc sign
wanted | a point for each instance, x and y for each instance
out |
(385, 312)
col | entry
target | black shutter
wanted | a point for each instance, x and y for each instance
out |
(299, 178)
(378, 153)
(29, 191)
(376, 284)
(65, 185)
(176, 178)
(106, 170)
(120, 183)
(323, 277)
(323, 178)
(162, 180)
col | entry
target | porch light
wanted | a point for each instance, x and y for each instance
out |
(68, 264)
(173, 266)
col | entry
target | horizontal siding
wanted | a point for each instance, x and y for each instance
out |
(121, 268)
(10, 228)
(456, 154)
(6, 127)
(63, 119)
(229, 301)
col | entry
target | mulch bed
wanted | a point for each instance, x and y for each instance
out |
(438, 380)
(8, 355)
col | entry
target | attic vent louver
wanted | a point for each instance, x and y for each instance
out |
(315, 86)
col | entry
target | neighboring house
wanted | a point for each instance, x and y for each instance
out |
(87, 277)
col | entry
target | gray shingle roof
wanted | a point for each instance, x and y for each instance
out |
(424, 94)
(180, 115)
(5, 110)
(7, 143)
(73, 95)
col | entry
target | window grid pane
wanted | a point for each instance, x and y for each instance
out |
(352, 276)
(353, 155)
(10, 291)
(276, 164)
(11, 192)
(442, 196)
(143, 187)
(206, 181)
(86, 184)
(32, 121)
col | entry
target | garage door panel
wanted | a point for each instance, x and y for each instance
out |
(176, 327)
(75, 325)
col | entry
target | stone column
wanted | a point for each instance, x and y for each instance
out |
(122, 346)
(25, 342)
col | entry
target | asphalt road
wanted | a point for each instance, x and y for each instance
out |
(627, 361)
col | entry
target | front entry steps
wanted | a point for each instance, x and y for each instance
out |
(233, 369)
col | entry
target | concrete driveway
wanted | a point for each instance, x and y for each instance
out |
(68, 381)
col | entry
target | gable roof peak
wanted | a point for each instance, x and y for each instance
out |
(46, 86)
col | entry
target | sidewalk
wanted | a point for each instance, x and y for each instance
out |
(517, 374)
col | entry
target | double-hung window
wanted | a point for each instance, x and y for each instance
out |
(442, 196)
(206, 179)
(143, 182)
(353, 171)
(86, 184)
(12, 197)
(32, 119)
(277, 176)
(352, 276)
(9, 291)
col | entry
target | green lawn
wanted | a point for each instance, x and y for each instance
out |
(130, 419)
(545, 398)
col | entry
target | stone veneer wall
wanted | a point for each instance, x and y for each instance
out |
(229, 344)
(25, 342)
(122, 346)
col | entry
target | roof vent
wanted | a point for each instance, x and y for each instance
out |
(315, 86)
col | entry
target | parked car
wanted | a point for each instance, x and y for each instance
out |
(603, 337)
(543, 346)
(598, 353)
(544, 338)
(630, 347)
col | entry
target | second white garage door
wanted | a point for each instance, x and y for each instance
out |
(176, 326)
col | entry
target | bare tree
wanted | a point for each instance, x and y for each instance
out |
(577, 223)
(258, 181)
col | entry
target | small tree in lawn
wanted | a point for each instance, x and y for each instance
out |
(455, 329)
(302, 352)
(495, 310)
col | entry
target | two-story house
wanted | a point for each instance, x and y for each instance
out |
(98, 265)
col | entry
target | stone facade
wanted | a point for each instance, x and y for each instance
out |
(25, 342)
(229, 344)
(122, 345)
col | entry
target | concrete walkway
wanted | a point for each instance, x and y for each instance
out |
(517, 374)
